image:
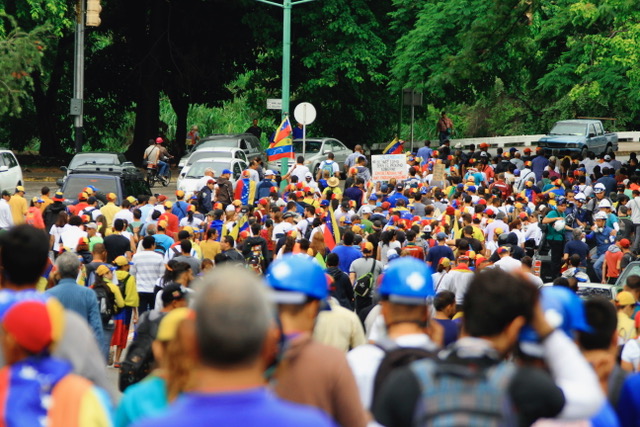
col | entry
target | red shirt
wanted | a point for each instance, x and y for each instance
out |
(612, 259)
(173, 223)
(415, 251)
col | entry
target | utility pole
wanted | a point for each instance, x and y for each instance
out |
(76, 109)
(78, 78)
(286, 47)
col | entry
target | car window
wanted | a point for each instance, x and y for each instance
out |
(213, 143)
(592, 130)
(135, 188)
(599, 128)
(122, 158)
(198, 155)
(73, 185)
(237, 170)
(9, 160)
(93, 158)
(254, 144)
(197, 169)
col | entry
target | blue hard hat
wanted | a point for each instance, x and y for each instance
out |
(563, 310)
(406, 215)
(296, 277)
(407, 281)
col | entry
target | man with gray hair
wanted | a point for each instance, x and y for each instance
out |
(576, 247)
(235, 343)
(75, 297)
(209, 173)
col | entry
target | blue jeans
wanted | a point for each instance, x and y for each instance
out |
(597, 267)
(106, 342)
(162, 168)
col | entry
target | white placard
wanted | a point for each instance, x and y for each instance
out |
(385, 167)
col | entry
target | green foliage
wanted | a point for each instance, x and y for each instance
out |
(20, 55)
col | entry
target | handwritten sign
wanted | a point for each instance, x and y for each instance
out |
(389, 166)
(438, 172)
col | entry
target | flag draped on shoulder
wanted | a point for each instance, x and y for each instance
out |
(281, 146)
(240, 225)
(331, 230)
(245, 191)
(395, 147)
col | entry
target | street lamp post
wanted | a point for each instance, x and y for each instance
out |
(78, 81)
(286, 47)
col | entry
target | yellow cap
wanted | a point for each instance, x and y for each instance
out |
(20, 188)
(625, 298)
(170, 323)
(168, 205)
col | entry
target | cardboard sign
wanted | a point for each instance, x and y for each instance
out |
(438, 172)
(389, 166)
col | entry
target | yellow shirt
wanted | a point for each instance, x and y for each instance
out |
(626, 327)
(19, 208)
(109, 211)
(46, 202)
(210, 248)
(117, 294)
(196, 247)
(131, 298)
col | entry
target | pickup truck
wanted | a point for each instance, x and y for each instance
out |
(581, 135)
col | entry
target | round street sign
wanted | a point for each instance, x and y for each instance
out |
(305, 113)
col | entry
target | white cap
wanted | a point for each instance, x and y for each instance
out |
(366, 209)
(308, 175)
(230, 208)
(581, 197)
(426, 229)
(607, 157)
(269, 172)
(604, 203)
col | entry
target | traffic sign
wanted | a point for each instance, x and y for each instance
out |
(274, 103)
(305, 113)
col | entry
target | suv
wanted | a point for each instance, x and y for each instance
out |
(102, 158)
(245, 141)
(10, 171)
(122, 180)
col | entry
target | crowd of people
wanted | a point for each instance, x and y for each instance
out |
(294, 300)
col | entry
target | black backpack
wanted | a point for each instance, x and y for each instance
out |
(395, 357)
(106, 302)
(139, 359)
(123, 285)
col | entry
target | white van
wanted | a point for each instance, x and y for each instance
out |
(10, 171)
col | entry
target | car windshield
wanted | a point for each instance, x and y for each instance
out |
(574, 129)
(207, 154)
(94, 158)
(631, 270)
(213, 143)
(73, 185)
(312, 146)
(197, 169)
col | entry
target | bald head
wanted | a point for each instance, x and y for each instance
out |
(233, 315)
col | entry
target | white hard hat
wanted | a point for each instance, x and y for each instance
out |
(581, 197)
(559, 225)
(599, 188)
(600, 215)
(604, 203)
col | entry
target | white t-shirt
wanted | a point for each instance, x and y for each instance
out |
(125, 214)
(300, 171)
(56, 232)
(281, 228)
(184, 222)
(508, 264)
(631, 353)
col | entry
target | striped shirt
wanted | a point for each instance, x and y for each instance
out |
(148, 267)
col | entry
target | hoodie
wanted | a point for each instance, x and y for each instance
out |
(254, 244)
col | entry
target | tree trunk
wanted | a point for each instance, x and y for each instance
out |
(149, 49)
(180, 105)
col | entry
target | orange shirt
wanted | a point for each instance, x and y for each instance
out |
(612, 259)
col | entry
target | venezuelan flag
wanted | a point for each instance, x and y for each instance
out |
(395, 147)
(240, 225)
(331, 230)
(281, 146)
(245, 191)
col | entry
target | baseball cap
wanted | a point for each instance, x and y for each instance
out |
(289, 215)
(92, 225)
(121, 260)
(171, 293)
(225, 172)
(179, 193)
(269, 172)
(35, 325)
(111, 196)
(168, 205)
(441, 236)
(163, 224)
(367, 247)
(445, 262)
(625, 243)
(527, 150)
(20, 188)
(82, 241)
(158, 140)
(104, 269)
(170, 322)
(625, 298)
(37, 200)
(607, 157)
(503, 249)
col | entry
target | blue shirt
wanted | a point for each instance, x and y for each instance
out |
(180, 209)
(346, 255)
(603, 240)
(537, 166)
(577, 247)
(81, 300)
(247, 408)
(606, 417)
(629, 403)
(438, 252)
(424, 153)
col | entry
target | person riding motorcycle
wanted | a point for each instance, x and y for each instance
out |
(157, 154)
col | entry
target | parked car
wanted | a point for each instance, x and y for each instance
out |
(589, 289)
(316, 150)
(570, 136)
(95, 158)
(10, 171)
(226, 152)
(245, 141)
(122, 180)
(189, 177)
(633, 268)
